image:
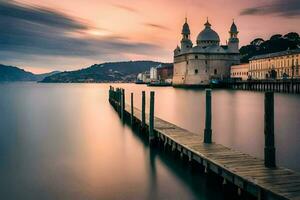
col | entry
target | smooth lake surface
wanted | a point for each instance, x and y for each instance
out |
(64, 141)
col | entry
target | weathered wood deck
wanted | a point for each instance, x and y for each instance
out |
(245, 171)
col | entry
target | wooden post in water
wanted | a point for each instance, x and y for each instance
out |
(143, 108)
(131, 113)
(270, 159)
(151, 118)
(119, 101)
(207, 130)
(122, 105)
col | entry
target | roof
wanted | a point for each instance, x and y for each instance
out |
(233, 28)
(208, 34)
(209, 49)
(165, 65)
(242, 65)
(186, 29)
(277, 54)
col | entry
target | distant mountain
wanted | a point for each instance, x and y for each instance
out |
(11, 73)
(106, 72)
(41, 77)
(276, 43)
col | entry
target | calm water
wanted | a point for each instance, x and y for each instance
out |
(64, 141)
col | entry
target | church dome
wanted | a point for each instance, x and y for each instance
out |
(208, 36)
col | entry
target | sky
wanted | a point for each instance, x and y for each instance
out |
(46, 35)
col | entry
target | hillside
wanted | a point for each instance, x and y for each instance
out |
(276, 43)
(11, 73)
(106, 72)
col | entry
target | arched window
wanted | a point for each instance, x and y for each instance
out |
(196, 71)
(215, 72)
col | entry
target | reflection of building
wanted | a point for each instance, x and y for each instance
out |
(207, 60)
(278, 65)
(240, 71)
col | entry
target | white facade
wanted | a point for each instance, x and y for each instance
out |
(197, 65)
(278, 65)
(240, 71)
(139, 77)
(146, 77)
(153, 74)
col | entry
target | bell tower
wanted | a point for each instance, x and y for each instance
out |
(233, 42)
(186, 42)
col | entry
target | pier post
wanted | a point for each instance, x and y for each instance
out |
(123, 100)
(151, 118)
(118, 98)
(270, 160)
(207, 130)
(131, 113)
(143, 108)
(122, 105)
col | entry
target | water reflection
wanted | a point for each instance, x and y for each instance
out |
(237, 118)
(64, 141)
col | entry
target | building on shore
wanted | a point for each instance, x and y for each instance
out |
(280, 65)
(240, 72)
(143, 77)
(162, 73)
(153, 73)
(165, 73)
(207, 60)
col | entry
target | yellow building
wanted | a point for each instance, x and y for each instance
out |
(240, 71)
(280, 65)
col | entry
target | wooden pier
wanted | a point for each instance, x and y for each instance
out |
(258, 177)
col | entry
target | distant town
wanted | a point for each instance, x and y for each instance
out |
(209, 62)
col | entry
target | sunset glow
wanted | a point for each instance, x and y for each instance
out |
(67, 35)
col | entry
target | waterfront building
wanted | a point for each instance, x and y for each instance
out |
(146, 77)
(153, 73)
(143, 77)
(207, 60)
(139, 77)
(240, 71)
(161, 73)
(165, 73)
(280, 65)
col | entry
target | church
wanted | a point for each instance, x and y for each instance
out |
(207, 61)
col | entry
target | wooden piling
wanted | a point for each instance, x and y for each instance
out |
(151, 118)
(132, 114)
(143, 108)
(124, 102)
(207, 130)
(122, 105)
(270, 160)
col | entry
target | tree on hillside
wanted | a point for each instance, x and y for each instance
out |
(257, 41)
(292, 36)
(276, 43)
(276, 37)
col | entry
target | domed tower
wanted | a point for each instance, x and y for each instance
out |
(208, 36)
(233, 42)
(186, 42)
